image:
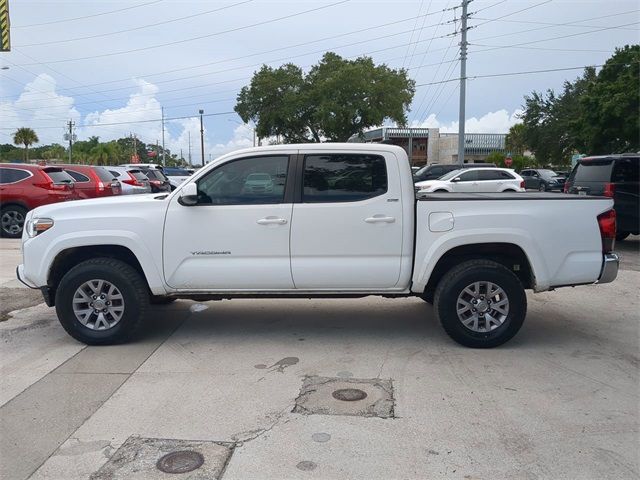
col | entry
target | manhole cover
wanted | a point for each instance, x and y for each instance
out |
(349, 394)
(180, 462)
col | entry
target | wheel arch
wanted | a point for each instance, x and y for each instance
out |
(511, 255)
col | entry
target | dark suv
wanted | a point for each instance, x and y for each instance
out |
(542, 179)
(434, 171)
(615, 176)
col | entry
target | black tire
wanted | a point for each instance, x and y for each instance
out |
(427, 297)
(542, 187)
(132, 286)
(620, 236)
(153, 300)
(441, 191)
(463, 275)
(9, 215)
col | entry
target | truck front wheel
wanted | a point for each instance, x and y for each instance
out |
(480, 303)
(102, 301)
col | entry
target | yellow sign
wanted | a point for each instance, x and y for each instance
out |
(5, 38)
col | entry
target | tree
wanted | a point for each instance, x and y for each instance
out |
(25, 136)
(54, 151)
(611, 105)
(515, 140)
(337, 99)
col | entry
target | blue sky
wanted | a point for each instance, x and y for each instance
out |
(108, 62)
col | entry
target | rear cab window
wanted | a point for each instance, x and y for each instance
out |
(343, 178)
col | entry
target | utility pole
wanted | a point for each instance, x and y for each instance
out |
(463, 81)
(163, 159)
(201, 136)
(190, 164)
(70, 135)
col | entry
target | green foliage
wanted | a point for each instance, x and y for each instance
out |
(338, 98)
(519, 161)
(515, 140)
(595, 114)
(25, 136)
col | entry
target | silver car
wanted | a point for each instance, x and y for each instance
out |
(132, 180)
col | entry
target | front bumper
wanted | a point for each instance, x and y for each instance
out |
(21, 277)
(609, 268)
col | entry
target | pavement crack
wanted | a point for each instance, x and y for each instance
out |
(251, 435)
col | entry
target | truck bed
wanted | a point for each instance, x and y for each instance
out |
(503, 196)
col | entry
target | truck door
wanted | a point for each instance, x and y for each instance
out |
(347, 226)
(237, 236)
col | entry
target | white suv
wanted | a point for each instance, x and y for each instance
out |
(474, 180)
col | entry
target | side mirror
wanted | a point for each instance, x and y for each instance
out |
(189, 194)
(457, 179)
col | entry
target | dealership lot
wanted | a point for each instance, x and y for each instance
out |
(270, 389)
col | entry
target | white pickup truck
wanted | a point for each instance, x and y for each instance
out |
(326, 220)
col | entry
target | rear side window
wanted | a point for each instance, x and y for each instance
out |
(104, 174)
(77, 176)
(114, 173)
(343, 178)
(494, 175)
(139, 175)
(58, 175)
(593, 171)
(155, 175)
(627, 170)
(12, 175)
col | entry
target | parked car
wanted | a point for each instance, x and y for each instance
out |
(92, 182)
(101, 262)
(434, 171)
(131, 180)
(542, 179)
(157, 179)
(25, 187)
(613, 176)
(176, 175)
(475, 180)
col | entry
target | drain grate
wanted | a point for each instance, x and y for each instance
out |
(345, 396)
(142, 458)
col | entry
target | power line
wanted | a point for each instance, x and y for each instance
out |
(514, 13)
(200, 37)
(141, 27)
(86, 16)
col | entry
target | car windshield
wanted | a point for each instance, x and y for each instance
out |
(548, 173)
(451, 175)
(421, 171)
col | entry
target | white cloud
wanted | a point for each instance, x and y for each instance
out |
(493, 122)
(242, 138)
(39, 104)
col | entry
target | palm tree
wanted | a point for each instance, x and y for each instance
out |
(25, 136)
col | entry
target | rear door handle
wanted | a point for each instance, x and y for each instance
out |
(380, 219)
(272, 221)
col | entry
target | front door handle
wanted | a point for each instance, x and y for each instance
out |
(380, 219)
(272, 221)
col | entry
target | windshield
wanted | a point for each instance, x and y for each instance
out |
(548, 173)
(421, 171)
(451, 175)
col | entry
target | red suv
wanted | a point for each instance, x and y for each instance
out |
(25, 187)
(93, 182)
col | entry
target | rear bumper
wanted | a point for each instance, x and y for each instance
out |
(609, 268)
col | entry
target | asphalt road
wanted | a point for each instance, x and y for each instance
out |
(252, 389)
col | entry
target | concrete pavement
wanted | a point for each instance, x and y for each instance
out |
(558, 401)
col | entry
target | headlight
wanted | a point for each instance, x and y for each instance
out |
(38, 225)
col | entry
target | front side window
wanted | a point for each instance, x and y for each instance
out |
(471, 176)
(343, 177)
(248, 181)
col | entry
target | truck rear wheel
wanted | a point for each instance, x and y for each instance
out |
(480, 304)
(102, 301)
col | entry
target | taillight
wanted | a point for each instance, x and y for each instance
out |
(609, 190)
(566, 187)
(607, 224)
(522, 184)
(51, 185)
(133, 181)
(100, 187)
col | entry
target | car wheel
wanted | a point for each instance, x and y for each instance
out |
(102, 301)
(12, 220)
(542, 187)
(620, 236)
(480, 304)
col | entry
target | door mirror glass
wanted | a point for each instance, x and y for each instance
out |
(189, 194)
(457, 179)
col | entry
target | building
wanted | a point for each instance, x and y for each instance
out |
(428, 145)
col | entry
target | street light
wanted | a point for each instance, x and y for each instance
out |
(201, 136)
